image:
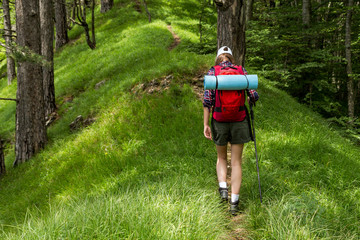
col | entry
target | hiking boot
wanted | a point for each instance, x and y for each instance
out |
(224, 194)
(234, 208)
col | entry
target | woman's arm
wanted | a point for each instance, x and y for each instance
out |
(207, 103)
(253, 96)
(207, 129)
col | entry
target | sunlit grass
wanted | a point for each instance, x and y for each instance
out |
(309, 174)
(143, 170)
(127, 158)
(147, 214)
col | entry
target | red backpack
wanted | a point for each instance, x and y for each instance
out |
(229, 104)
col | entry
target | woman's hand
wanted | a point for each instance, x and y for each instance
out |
(207, 132)
(207, 129)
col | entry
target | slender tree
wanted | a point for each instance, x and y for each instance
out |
(106, 5)
(61, 37)
(231, 27)
(306, 17)
(30, 136)
(306, 6)
(11, 73)
(249, 10)
(2, 159)
(79, 9)
(147, 10)
(350, 83)
(47, 50)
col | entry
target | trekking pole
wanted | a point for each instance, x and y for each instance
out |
(256, 155)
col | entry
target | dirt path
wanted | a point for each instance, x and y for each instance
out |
(238, 231)
(176, 39)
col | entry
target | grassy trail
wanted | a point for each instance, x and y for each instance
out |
(143, 169)
(238, 222)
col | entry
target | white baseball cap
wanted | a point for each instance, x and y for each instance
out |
(224, 49)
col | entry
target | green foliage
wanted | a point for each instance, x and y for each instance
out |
(308, 62)
(25, 54)
(7, 110)
(144, 170)
(349, 128)
(2, 63)
(2, 49)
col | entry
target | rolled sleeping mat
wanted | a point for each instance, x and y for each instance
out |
(231, 82)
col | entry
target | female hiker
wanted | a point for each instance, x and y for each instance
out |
(229, 123)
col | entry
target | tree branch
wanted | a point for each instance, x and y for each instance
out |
(5, 46)
(9, 99)
(10, 30)
(7, 35)
(75, 22)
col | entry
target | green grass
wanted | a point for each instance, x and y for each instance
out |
(309, 174)
(144, 170)
(127, 171)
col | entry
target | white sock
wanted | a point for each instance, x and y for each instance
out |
(222, 184)
(234, 197)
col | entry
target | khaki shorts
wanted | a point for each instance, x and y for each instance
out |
(233, 132)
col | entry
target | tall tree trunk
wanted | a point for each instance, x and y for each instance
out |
(231, 27)
(61, 37)
(350, 83)
(30, 135)
(306, 8)
(93, 40)
(249, 10)
(106, 5)
(306, 16)
(47, 50)
(11, 73)
(358, 88)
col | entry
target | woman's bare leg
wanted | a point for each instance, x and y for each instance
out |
(236, 170)
(221, 165)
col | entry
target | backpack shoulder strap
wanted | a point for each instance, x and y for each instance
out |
(217, 69)
(240, 69)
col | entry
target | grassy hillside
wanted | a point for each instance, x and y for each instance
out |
(143, 169)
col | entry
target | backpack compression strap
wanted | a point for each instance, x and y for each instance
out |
(218, 69)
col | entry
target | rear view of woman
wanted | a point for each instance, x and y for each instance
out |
(229, 123)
